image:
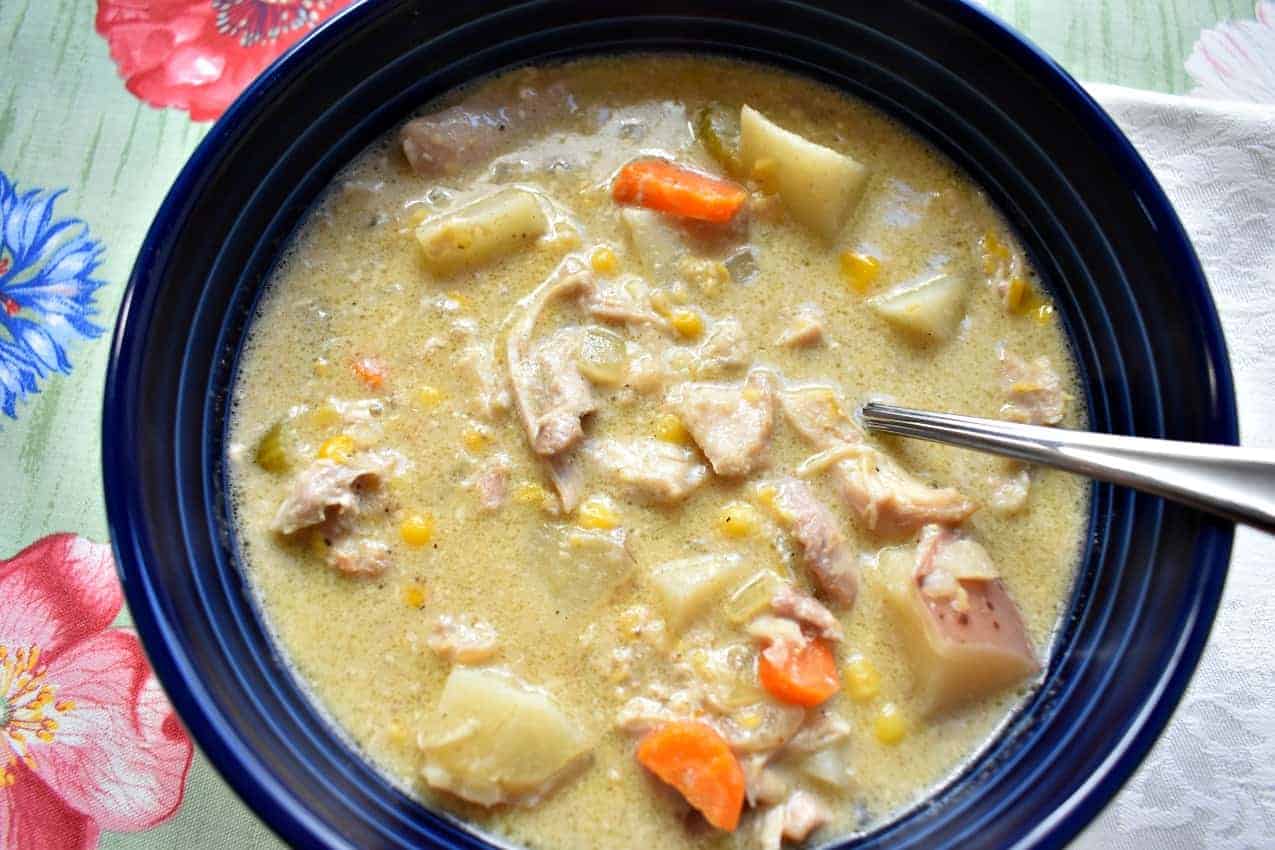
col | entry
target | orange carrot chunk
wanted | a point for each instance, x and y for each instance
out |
(660, 185)
(371, 371)
(807, 677)
(698, 762)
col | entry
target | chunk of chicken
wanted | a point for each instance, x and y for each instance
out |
(731, 424)
(446, 141)
(354, 556)
(964, 636)
(725, 348)
(462, 640)
(762, 783)
(805, 329)
(492, 483)
(490, 397)
(1010, 492)
(1033, 389)
(568, 396)
(325, 488)
(793, 820)
(824, 547)
(885, 496)
(795, 605)
(649, 468)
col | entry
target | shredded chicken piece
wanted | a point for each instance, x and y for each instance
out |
(779, 636)
(462, 640)
(793, 820)
(644, 372)
(627, 301)
(567, 393)
(885, 496)
(1033, 389)
(731, 424)
(446, 141)
(642, 714)
(1010, 492)
(326, 487)
(354, 556)
(762, 783)
(567, 478)
(821, 729)
(791, 603)
(825, 549)
(725, 348)
(490, 398)
(649, 468)
(492, 483)
(805, 329)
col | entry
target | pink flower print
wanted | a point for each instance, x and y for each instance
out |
(1236, 59)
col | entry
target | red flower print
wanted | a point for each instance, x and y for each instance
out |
(198, 55)
(87, 739)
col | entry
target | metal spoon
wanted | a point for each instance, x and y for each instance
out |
(1231, 481)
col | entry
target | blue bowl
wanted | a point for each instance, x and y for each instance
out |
(1103, 236)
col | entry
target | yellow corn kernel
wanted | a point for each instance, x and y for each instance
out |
(417, 530)
(889, 725)
(766, 494)
(752, 394)
(475, 440)
(687, 323)
(749, 719)
(417, 216)
(1016, 295)
(414, 595)
(995, 252)
(671, 430)
(604, 261)
(398, 734)
(738, 519)
(859, 270)
(322, 367)
(529, 493)
(863, 682)
(338, 448)
(1044, 313)
(465, 302)
(597, 512)
(325, 416)
(428, 396)
(765, 172)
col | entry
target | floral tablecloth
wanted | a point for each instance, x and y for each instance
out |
(102, 103)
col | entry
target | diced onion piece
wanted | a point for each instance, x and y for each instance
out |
(602, 356)
(819, 186)
(272, 452)
(829, 767)
(752, 597)
(498, 225)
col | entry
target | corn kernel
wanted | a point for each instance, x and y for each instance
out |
(863, 682)
(529, 493)
(889, 725)
(671, 430)
(414, 595)
(766, 494)
(322, 367)
(428, 396)
(995, 252)
(752, 394)
(325, 416)
(749, 719)
(417, 216)
(1044, 313)
(475, 440)
(738, 519)
(687, 323)
(398, 734)
(465, 302)
(338, 448)
(660, 302)
(417, 530)
(597, 512)
(859, 270)
(604, 261)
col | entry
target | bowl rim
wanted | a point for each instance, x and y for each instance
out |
(271, 800)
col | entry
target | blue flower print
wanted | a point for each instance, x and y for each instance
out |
(46, 290)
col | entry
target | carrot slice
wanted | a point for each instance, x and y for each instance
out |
(698, 762)
(371, 371)
(660, 185)
(807, 677)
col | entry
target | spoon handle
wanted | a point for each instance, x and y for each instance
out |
(1230, 481)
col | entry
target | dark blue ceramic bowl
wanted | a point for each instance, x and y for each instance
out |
(1103, 236)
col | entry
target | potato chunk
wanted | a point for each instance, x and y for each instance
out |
(819, 186)
(930, 309)
(481, 232)
(658, 244)
(688, 585)
(494, 739)
(956, 655)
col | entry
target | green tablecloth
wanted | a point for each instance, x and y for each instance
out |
(78, 85)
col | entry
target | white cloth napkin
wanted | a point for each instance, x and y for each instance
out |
(1209, 782)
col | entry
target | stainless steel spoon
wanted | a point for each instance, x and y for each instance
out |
(1230, 481)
